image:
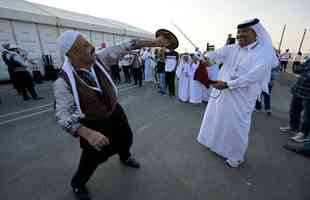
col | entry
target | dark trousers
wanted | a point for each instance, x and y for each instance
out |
(137, 75)
(170, 77)
(156, 75)
(266, 97)
(126, 74)
(296, 63)
(31, 91)
(143, 70)
(283, 66)
(12, 77)
(307, 148)
(115, 73)
(297, 106)
(25, 84)
(117, 129)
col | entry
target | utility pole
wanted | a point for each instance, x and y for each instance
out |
(302, 40)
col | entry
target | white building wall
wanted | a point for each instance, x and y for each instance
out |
(63, 29)
(48, 36)
(108, 39)
(6, 36)
(27, 39)
(96, 39)
(39, 39)
(118, 39)
(86, 34)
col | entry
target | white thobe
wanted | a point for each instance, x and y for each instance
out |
(195, 87)
(183, 75)
(148, 66)
(227, 119)
(212, 75)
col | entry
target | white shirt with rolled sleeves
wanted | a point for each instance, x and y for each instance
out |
(170, 63)
(227, 119)
(285, 56)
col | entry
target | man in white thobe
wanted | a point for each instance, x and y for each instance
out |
(183, 75)
(148, 64)
(245, 74)
(195, 87)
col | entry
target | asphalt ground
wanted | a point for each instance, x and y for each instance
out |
(38, 159)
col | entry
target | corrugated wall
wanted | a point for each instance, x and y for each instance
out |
(39, 39)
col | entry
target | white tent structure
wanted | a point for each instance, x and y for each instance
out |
(35, 28)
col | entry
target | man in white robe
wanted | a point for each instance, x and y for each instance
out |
(245, 74)
(195, 87)
(148, 64)
(183, 75)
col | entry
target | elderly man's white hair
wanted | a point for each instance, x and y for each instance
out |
(66, 41)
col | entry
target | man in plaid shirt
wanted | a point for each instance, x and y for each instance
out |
(300, 102)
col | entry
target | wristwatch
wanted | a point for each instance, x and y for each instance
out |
(226, 85)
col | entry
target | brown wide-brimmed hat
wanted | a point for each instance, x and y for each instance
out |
(173, 40)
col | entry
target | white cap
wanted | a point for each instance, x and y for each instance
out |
(66, 41)
(13, 46)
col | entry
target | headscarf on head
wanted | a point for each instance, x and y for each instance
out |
(266, 50)
(264, 41)
(184, 67)
(198, 55)
(182, 60)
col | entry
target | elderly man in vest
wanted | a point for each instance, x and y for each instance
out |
(87, 106)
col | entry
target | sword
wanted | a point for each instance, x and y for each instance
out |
(179, 29)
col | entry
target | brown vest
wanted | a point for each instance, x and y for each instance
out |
(93, 103)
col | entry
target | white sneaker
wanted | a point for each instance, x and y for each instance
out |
(288, 129)
(233, 163)
(300, 138)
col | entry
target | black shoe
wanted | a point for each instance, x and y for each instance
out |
(81, 193)
(131, 162)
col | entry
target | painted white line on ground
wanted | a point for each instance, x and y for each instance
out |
(21, 111)
(41, 112)
(125, 89)
(26, 116)
(12, 91)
